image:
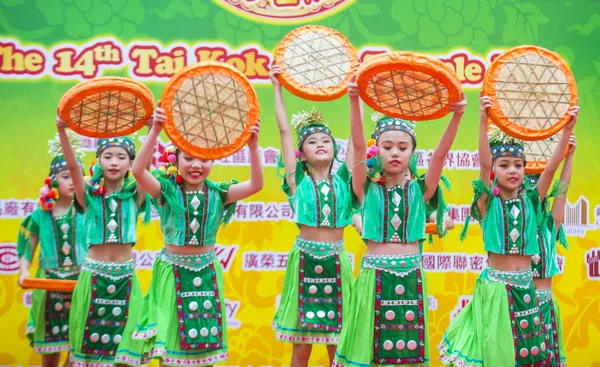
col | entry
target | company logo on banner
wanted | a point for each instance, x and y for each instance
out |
(9, 261)
(592, 262)
(284, 11)
(576, 218)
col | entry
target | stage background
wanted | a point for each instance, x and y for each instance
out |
(47, 46)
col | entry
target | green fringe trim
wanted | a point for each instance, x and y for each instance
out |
(558, 189)
(479, 188)
(24, 240)
(562, 237)
(412, 164)
(169, 192)
(229, 209)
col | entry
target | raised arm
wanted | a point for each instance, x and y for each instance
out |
(145, 181)
(357, 135)
(485, 156)
(247, 188)
(285, 132)
(558, 207)
(74, 169)
(350, 149)
(548, 175)
(434, 172)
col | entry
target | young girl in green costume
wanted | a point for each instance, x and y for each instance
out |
(502, 325)
(59, 231)
(183, 321)
(545, 264)
(388, 311)
(107, 298)
(318, 276)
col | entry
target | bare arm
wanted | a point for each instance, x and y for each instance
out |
(145, 181)
(485, 156)
(74, 169)
(247, 188)
(548, 175)
(24, 264)
(350, 149)
(558, 207)
(434, 172)
(287, 142)
(357, 135)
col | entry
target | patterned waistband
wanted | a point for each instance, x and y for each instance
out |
(64, 273)
(544, 295)
(195, 262)
(521, 278)
(319, 249)
(397, 264)
(112, 270)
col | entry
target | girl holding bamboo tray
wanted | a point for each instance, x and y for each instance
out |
(545, 264)
(107, 298)
(503, 325)
(388, 311)
(59, 231)
(183, 320)
(318, 277)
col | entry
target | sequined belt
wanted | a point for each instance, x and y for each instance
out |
(192, 262)
(397, 264)
(544, 295)
(521, 278)
(113, 270)
(319, 249)
(62, 273)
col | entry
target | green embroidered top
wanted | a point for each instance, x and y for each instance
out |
(61, 239)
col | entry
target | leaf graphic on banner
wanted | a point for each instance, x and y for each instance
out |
(366, 9)
(455, 23)
(587, 314)
(589, 27)
(588, 96)
(522, 23)
(197, 9)
(84, 19)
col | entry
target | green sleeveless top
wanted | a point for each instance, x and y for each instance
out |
(398, 214)
(327, 203)
(192, 218)
(510, 226)
(61, 239)
(112, 218)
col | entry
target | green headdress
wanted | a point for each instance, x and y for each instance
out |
(504, 145)
(125, 142)
(385, 123)
(307, 123)
(58, 163)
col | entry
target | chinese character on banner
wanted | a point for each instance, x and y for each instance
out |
(463, 160)
(428, 262)
(27, 208)
(281, 261)
(241, 212)
(444, 262)
(460, 263)
(450, 160)
(256, 211)
(250, 261)
(272, 211)
(267, 260)
(475, 160)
